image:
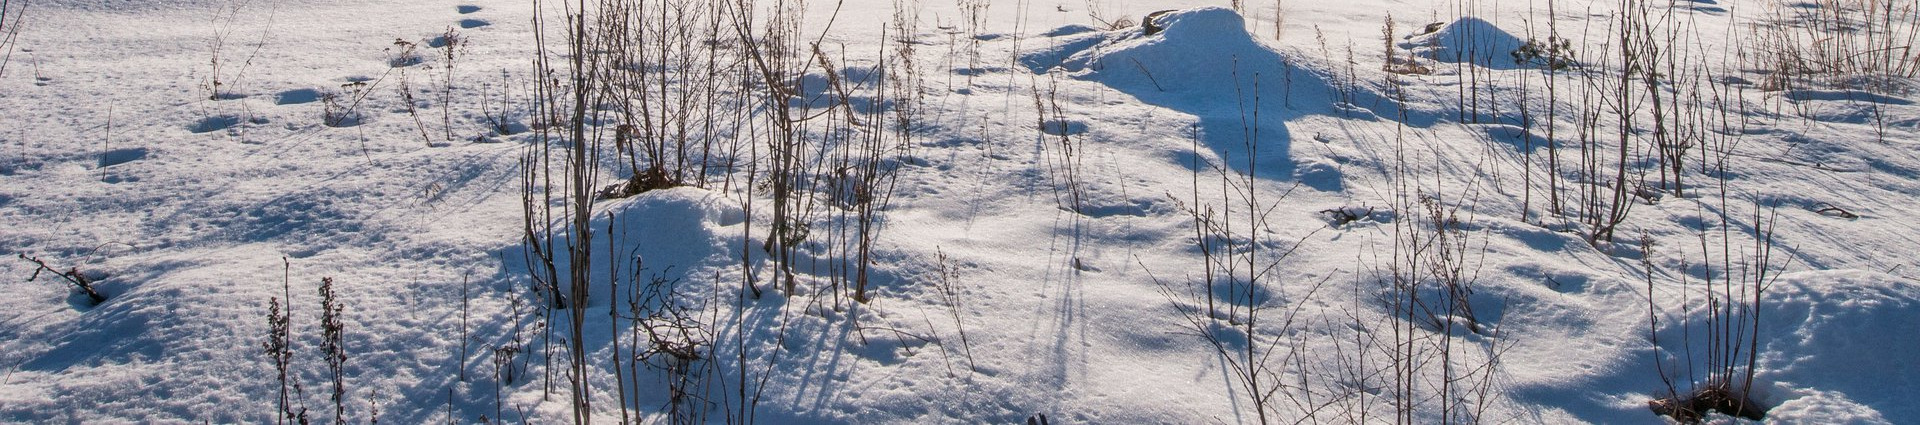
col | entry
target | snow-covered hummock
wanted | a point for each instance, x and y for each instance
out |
(673, 233)
(1470, 40)
(1190, 53)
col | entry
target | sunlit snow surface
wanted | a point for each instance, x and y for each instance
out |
(192, 204)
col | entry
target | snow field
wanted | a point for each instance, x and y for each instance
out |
(1038, 254)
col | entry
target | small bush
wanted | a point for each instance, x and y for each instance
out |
(1555, 54)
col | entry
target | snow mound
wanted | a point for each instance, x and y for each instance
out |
(1203, 63)
(1824, 407)
(1839, 346)
(1471, 40)
(667, 232)
(1201, 60)
(1202, 49)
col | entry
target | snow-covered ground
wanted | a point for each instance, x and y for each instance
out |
(1383, 246)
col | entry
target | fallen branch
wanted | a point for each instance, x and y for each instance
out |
(1832, 210)
(72, 276)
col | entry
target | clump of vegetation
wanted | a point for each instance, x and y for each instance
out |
(1692, 407)
(1403, 65)
(1735, 288)
(1840, 42)
(1555, 53)
(342, 108)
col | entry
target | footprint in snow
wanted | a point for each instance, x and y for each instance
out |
(215, 123)
(118, 179)
(473, 23)
(297, 96)
(1133, 208)
(1063, 127)
(122, 156)
(468, 8)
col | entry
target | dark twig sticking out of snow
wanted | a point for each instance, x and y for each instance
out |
(72, 276)
(1151, 24)
(1832, 210)
(1339, 217)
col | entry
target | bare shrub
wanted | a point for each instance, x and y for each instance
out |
(12, 13)
(1833, 41)
(1734, 290)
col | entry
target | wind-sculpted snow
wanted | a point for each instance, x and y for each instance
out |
(1841, 343)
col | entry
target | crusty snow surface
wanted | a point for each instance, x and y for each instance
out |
(192, 212)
